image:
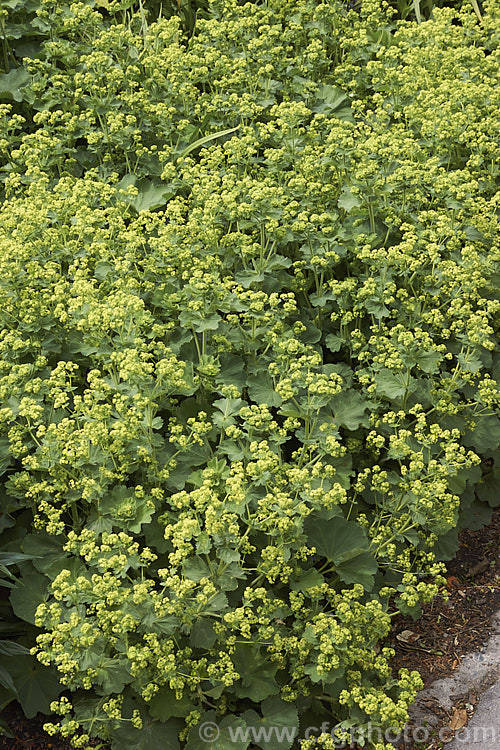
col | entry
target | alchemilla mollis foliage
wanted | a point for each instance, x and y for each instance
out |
(249, 278)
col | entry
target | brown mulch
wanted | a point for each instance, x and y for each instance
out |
(448, 630)
(433, 645)
(28, 734)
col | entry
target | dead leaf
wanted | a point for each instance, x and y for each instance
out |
(459, 719)
(480, 567)
(452, 582)
(407, 636)
(445, 735)
(428, 701)
(455, 664)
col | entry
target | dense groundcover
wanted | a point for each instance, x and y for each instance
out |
(249, 281)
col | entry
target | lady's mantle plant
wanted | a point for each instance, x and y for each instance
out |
(249, 380)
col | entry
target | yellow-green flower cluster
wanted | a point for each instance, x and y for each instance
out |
(248, 284)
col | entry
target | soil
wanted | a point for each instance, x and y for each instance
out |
(433, 645)
(28, 734)
(448, 630)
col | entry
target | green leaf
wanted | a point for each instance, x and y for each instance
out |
(486, 434)
(319, 300)
(229, 407)
(11, 648)
(6, 458)
(12, 558)
(165, 705)
(393, 385)
(195, 455)
(6, 681)
(473, 234)
(256, 673)
(211, 323)
(447, 545)
(36, 685)
(28, 593)
(247, 278)
(195, 569)
(228, 581)
(152, 193)
(126, 181)
(152, 736)
(112, 675)
(5, 729)
(476, 516)
(348, 201)
(428, 361)
(48, 555)
(202, 634)
(469, 364)
(102, 269)
(376, 308)
(229, 555)
(276, 262)
(211, 734)
(489, 489)
(335, 101)
(215, 691)
(312, 334)
(199, 321)
(349, 409)
(167, 625)
(153, 533)
(217, 603)
(413, 611)
(307, 580)
(277, 728)
(315, 676)
(232, 450)
(343, 470)
(13, 82)
(125, 509)
(345, 544)
(261, 390)
(232, 371)
(333, 342)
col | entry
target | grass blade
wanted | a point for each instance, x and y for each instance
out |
(476, 10)
(416, 8)
(206, 139)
